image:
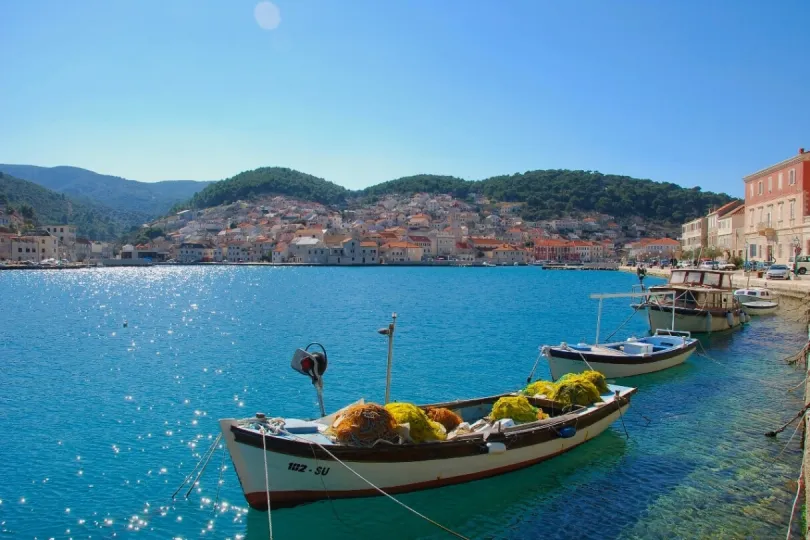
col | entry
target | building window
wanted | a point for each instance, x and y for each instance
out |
(779, 181)
(793, 209)
(751, 189)
(770, 184)
(792, 177)
(779, 250)
(753, 248)
(760, 188)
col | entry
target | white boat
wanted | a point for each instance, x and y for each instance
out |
(703, 302)
(622, 358)
(663, 350)
(760, 307)
(754, 294)
(290, 461)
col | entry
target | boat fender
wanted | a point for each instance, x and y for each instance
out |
(567, 432)
(496, 447)
(730, 318)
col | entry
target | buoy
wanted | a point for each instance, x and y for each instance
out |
(567, 432)
(496, 447)
(125, 324)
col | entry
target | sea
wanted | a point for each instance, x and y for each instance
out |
(112, 382)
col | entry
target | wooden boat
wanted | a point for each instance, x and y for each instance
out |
(703, 302)
(760, 307)
(299, 463)
(663, 350)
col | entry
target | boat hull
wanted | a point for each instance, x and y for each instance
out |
(562, 362)
(760, 308)
(300, 478)
(693, 321)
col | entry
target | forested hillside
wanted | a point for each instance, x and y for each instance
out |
(269, 181)
(148, 198)
(40, 206)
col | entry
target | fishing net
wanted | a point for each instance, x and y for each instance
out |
(596, 378)
(445, 417)
(539, 387)
(422, 428)
(575, 390)
(517, 408)
(364, 425)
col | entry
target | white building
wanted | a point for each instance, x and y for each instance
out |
(308, 250)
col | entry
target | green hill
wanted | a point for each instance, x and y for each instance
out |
(553, 193)
(149, 198)
(269, 181)
(40, 206)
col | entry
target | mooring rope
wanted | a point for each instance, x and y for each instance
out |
(202, 470)
(361, 477)
(795, 501)
(267, 484)
(209, 450)
(219, 481)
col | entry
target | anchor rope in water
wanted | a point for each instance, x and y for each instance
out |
(219, 481)
(202, 470)
(791, 438)
(189, 475)
(267, 484)
(361, 477)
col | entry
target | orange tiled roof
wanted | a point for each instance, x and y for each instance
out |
(403, 245)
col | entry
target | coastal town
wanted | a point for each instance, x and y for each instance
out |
(770, 224)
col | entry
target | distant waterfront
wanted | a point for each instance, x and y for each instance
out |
(107, 418)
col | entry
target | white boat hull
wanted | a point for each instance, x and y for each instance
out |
(561, 366)
(694, 323)
(295, 479)
(760, 308)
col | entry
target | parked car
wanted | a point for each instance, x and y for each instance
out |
(802, 265)
(709, 265)
(728, 266)
(778, 271)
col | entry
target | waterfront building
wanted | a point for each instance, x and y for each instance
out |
(34, 246)
(308, 250)
(777, 220)
(713, 222)
(731, 233)
(280, 253)
(81, 250)
(508, 254)
(399, 251)
(654, 248)
(694, 235)
(189, 252)
(5, 246)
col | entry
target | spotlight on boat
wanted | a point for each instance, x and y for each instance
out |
(313, 365)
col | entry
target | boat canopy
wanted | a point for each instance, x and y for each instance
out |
(706, 278)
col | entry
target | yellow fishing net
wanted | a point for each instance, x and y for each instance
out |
(539, 387)
(517, 408)
(575, 390)
(422, 428)
(445, 417)
(363, 425)
(572, 388)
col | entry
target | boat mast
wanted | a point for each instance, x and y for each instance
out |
(390, 333)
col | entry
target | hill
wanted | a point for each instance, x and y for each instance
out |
(270, 181)
(552, 193)
(152, 199)
(40, 206)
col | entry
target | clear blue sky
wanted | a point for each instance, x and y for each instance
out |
(697, 92)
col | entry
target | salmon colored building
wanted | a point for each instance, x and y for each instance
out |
(777, 210)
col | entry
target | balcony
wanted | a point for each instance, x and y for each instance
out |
(764, 228)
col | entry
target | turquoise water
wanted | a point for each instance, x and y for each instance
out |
(101, 422)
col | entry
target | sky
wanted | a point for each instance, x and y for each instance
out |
(696, 92)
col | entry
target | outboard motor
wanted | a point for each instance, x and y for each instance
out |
(313, 365)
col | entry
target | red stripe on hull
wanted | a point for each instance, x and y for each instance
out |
(288, 499)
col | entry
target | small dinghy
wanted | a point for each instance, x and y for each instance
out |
(283, 462)
(663, 350)
(760, 307)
